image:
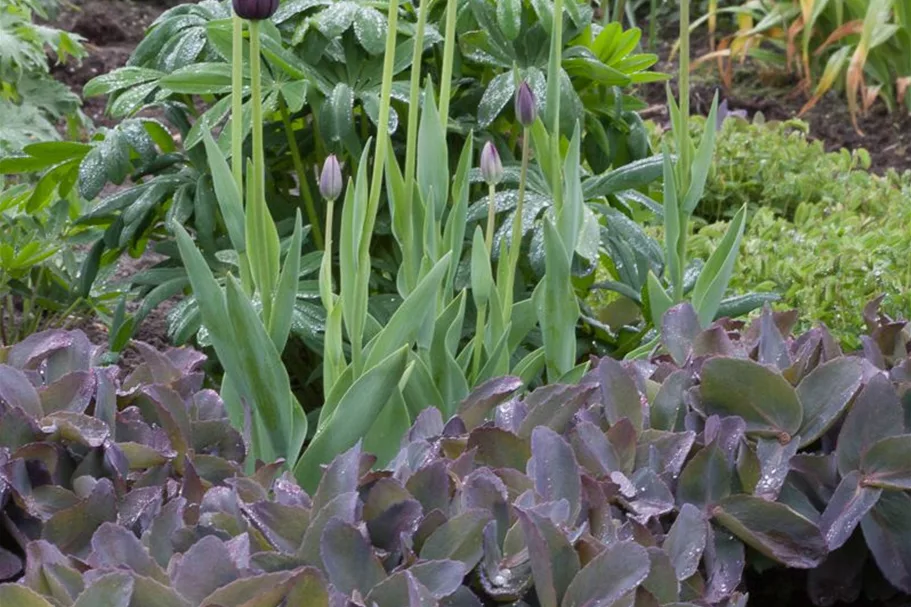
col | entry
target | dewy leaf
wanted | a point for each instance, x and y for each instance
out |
(72, 529)
(887, 463)
(763, 398)
(679, 328)
(661, 582)
(554, 470)
(849, 504)
(17, 391)
(706, 479)
(825, 393)
(887, 530)
(773, 529)
(110, 590)
(876, 414)
(349, 559)
(610, 575)
(114, 546)
(725, 559)
(458, 539)
(554, 561)
(482, 400)
(774, 463)
(340, 476)
(686, 541)
(619, 395)
(203, 569)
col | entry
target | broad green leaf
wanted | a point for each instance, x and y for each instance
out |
(887, 530)
(458, 539)
(849, 504)
(773, 529)
(875, 415)
(686, 541)
(265, 373)
(887, 464)
(509, 18)
(229, 201)
(825, 393)
(199, 79)
(715, 276)
(619, 569)
(407, 319)
(499, 92)
(762, 397)
(352, 418)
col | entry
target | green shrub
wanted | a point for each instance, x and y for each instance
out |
(829, 261)
(777, 165)
(31, 101)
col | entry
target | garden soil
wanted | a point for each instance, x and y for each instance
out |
(775, 94)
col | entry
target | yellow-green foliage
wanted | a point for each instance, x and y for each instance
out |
(827, 263)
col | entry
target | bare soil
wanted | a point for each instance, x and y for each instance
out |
(776, 94)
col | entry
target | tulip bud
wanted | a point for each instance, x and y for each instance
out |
(491, 167)
(255, 10)
(330, 181)
(526, 110)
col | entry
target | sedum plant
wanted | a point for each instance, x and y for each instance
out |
(659, 482)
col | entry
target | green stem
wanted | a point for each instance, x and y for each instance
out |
(481, 330)
(379, 163)
(684, 161)
(361, 281)
(491, 216)
(237, 103)
(409, 253)
(554, 71)
(304, 186)
(448, 54)
(515, 243)
(259, 159)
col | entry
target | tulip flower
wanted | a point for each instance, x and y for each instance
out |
(330, 180)
(491, 167)
(255, 10)
(526, 108)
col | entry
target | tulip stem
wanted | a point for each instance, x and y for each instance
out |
(259, 160)
(237, 103)
(304, 184)
(448, 54)
(491, 215)
(515, 242)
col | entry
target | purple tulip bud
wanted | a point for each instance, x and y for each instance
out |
(330, 181)
(491, 167)
(255, 10)
(526, 109)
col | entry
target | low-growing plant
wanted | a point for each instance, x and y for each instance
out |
(659, 482)
(31, 101)
(828, 260)
(42, 265)
(777, 165)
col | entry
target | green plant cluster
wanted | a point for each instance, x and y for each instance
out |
(31, 100)
(735, 450)
(777, 165)
(828, 261)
